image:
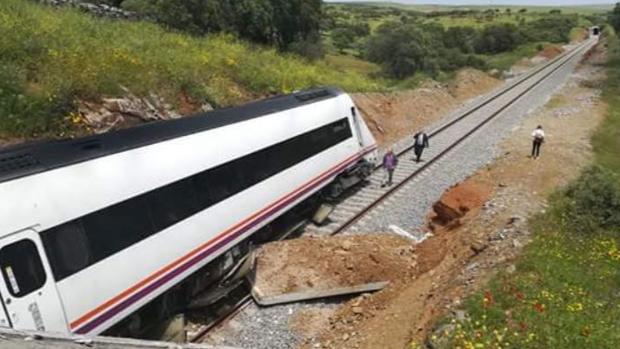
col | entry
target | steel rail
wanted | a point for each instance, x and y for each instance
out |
(568, 57)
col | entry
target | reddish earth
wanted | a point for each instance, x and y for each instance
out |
(456, 203)
(551, 51)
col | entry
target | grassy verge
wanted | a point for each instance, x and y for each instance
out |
(566, 290)
(50, 57)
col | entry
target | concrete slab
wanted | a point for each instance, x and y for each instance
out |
(267, 300)
(14, 339)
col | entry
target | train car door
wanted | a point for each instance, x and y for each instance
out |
(27, 286)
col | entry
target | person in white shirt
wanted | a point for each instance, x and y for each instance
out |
(538, 139)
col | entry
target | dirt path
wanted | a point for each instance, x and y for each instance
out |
(486, 234)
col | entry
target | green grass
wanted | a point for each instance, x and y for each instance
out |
(566, 290)
(50, 57)
(563, 295)
(347, 62)
(504, 61)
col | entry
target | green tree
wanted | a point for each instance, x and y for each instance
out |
(277, 22)
(401, 50)
(614, 17)
(343, 38)
(463, 38)
(550, 28)
(497, 38)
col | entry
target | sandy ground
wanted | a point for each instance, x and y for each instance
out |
(485, 228)
(392, 116)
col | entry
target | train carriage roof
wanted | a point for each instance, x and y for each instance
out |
(30, 158)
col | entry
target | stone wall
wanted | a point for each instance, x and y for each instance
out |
(99, 10)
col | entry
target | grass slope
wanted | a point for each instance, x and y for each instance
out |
(50, 57)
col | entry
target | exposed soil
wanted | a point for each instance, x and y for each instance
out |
(551, 51)
(490, 236)
(392, 116)
(322, 263)
(456, 203)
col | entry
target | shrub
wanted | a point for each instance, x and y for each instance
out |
(404, 50)
(555, 29)
(593, 201)
(277, 22)
(497, 38)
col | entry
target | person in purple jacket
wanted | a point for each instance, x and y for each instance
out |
(390, 161)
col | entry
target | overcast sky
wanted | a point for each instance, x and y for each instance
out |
(495, 2)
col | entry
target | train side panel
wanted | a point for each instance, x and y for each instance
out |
(121, 283)
(98, 295)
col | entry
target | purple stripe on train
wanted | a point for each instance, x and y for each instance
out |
(150, 288)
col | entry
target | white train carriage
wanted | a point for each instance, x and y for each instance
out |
(95, 228)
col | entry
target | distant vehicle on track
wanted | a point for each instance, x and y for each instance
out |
(114, 229)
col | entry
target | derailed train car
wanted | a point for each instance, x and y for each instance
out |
(93, 230)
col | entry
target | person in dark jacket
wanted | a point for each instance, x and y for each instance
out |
(420, 142)
(390, 161)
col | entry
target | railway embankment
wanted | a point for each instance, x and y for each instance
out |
(518, 306)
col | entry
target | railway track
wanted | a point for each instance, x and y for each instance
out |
(349, 212)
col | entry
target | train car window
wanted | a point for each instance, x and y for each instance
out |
(117, 227)
(218, 183)
(172, 204)
(67, 249)
(21, 266)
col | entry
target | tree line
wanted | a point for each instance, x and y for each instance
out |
(286, 24)
(403, 49)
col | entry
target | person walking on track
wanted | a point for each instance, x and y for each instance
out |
(538, 139)
(420, 141)
(390, 161)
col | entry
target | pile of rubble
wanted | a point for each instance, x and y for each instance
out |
(318, 266)
(115, 113)
(99, 10)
